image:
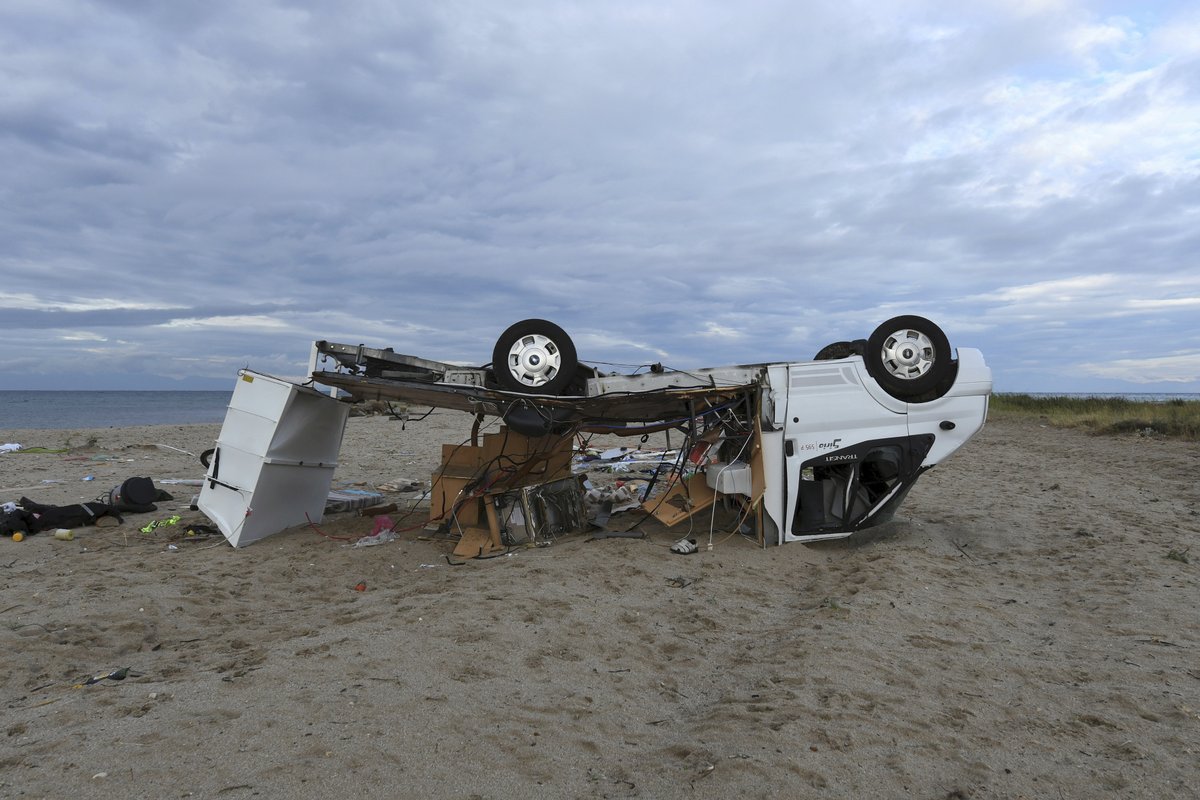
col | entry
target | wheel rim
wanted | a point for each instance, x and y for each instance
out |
(534, 360)
(908, 354)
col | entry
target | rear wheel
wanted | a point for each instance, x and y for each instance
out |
(910, 358)
(840, 350)
(535, 357)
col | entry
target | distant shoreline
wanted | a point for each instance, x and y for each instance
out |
(37, 409)
(57, 410)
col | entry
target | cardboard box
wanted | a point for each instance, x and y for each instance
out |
(510, 460)
(681, 500)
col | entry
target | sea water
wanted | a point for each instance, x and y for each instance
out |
(118, 409)
(109, 409)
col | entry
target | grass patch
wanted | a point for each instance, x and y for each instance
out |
(1173, 419)
(1179, 555)
(71, 444)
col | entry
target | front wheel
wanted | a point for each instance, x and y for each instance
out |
(910, 358)
(535, 357)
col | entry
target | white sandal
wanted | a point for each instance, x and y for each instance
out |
(684, 546)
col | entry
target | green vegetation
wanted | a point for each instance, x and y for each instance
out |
(70, 443)
(1179, 555)
(1175, 419)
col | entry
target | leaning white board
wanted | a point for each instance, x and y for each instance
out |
(274, 460)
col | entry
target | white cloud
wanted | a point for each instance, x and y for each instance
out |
(1108, 37)
(1060, 291)
(1163, 304)
(1179, 368)
(1178, 36)
(237, 323)
(32, 301)
(14, 300)
(714, 331)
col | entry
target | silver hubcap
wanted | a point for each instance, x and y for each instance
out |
(534, 360)
(908, 354)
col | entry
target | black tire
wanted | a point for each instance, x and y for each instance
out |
(534, 357)
(536, 422)
(910, 358)
(840, 350)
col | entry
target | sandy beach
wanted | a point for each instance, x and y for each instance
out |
(1027, 627)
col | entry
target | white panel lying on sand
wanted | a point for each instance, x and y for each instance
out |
(274, 460)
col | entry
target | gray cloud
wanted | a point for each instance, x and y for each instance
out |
(196, 187)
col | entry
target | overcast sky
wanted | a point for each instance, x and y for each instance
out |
(195, 186)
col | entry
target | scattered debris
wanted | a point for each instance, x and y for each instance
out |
(153, 524)
(403, 486)
(684, 547)
(176, 449)
(382, 537)
(115, 675)
(342, 500)
(622, 497)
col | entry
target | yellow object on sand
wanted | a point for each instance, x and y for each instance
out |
(18, 536)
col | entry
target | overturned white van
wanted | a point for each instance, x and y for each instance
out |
(812, 449)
